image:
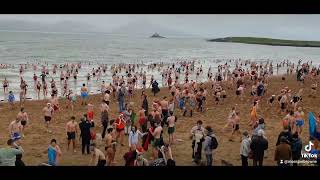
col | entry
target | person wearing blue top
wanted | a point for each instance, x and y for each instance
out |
(11, 99)
(53, 153)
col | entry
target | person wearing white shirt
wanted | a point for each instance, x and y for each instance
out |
(134, 136)
(245, 148)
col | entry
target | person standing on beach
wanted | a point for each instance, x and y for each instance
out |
(198, 134)
(71, 129)
(48, 113)
(85, 134)
(258, 145)
(245, 148)
(104, 121)
(84, 94)
(155, 88)
(145, 105)
(210, 144)
(121, 97)
(5, 85)
(134, 134)
(120, 125)
(11, 99)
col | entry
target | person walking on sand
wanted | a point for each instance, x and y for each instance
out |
(15, 128)
(71, 130)
(164, 108)
(48, 113)
(299, 120)
(157, 141)
(230, 118)
(84, 94)
(38, 86)
(104, 121)
(210, 144)
(45, 90)
(253, 114)
(236, 126)
(171, 128)
(245, 148)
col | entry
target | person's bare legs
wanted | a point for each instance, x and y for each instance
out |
(68, 144)
(122, 138)
(74, 145)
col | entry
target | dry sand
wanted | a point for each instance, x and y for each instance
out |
(36, 139)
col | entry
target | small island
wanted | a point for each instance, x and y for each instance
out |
(267, 41)
(156, 35)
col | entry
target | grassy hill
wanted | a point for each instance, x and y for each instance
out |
(268, 41)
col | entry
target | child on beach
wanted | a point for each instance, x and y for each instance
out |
(11, 99)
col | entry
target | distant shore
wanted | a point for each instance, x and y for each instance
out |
(267, 41)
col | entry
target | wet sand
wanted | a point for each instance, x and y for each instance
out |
(36, 139)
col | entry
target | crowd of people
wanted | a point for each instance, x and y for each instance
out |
(146, 126)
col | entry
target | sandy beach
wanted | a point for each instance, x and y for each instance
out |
(36, 140)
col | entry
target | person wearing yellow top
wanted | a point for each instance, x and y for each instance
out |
(253, 114)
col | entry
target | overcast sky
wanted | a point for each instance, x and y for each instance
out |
(277, 26)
